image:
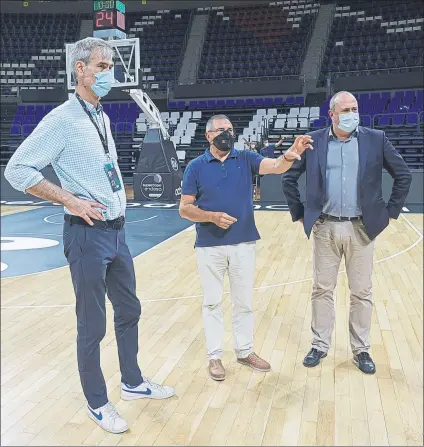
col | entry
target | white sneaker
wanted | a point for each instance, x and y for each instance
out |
(108, 418)
(146, 389)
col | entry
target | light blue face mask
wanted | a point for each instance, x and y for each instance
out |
(103, 84)
(348, 121)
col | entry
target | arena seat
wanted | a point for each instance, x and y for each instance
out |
(367, 36)
(257, 41)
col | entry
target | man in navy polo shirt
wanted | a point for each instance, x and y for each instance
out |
(217, 194)
(269, 149)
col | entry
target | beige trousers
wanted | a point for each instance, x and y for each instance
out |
(239, 261)
(332, 240)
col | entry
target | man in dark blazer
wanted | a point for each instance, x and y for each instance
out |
(345, 211)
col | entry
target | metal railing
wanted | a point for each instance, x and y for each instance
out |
(338, 74)
(129, 129)
(253, 79)
(184, 46)
(376, 120)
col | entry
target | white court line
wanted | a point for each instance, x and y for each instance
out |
(46, 219)
(420, 238)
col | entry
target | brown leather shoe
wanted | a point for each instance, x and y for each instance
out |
(255, 362)
(216, 370)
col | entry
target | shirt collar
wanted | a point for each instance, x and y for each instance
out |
(210, 157)
(331, 135)
(92, 109)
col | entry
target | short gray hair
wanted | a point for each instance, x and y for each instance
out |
(84, 49)
(335, 99)
(209, 124)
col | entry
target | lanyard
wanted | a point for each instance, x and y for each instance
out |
(103, 139)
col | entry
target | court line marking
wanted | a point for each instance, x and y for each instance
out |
(135, 257)
(46, 219)
(394, 255)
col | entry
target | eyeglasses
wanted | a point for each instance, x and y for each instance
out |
(231, 131)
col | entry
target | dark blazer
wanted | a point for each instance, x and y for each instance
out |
(375, 153)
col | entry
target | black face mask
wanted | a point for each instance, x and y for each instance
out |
(224, 141)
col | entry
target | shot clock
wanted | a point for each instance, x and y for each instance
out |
(109, 19)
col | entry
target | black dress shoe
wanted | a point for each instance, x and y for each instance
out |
(313, 358)
(364, 362)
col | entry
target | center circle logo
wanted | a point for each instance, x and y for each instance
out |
(152, 186)
(174, 164)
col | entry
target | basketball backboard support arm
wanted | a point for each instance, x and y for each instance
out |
(149, 108)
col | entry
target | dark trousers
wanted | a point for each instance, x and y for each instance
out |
(100, 264)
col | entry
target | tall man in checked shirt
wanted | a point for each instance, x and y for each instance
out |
(75, 138)
(345, 210)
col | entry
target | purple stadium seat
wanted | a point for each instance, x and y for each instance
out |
(299, 101)
(319, 123)
(398, 119)
(120, 128)
(15, 130)
(365, 120)
(129, 128)
(384, 120)
(411, 120)
(27, 129)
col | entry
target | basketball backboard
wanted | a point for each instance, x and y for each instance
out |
(126, 59)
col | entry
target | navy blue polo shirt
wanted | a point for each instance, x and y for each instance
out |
(268, 151)
(224, 187)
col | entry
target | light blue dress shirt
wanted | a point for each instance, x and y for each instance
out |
(342, 173)
(67, 139)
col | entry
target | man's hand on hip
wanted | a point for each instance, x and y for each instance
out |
(85, 209)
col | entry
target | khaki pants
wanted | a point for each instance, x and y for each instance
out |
(239, 261)
(332, 240)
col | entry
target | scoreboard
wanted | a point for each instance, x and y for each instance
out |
(109, 19)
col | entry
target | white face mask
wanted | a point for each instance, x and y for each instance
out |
(348, 121)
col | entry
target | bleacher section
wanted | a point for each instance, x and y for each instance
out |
(257, 41)
(33, 50)
(400, 114)
(163, 35)
(33, 47)
(374, 35)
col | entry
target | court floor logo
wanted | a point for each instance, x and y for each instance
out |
(16, 244)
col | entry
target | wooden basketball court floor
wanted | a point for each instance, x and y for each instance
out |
(332, 404)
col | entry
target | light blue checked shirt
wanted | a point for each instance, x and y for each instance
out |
(67, 139)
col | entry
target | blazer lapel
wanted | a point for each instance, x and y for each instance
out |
(362, 153)
(321, 147)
